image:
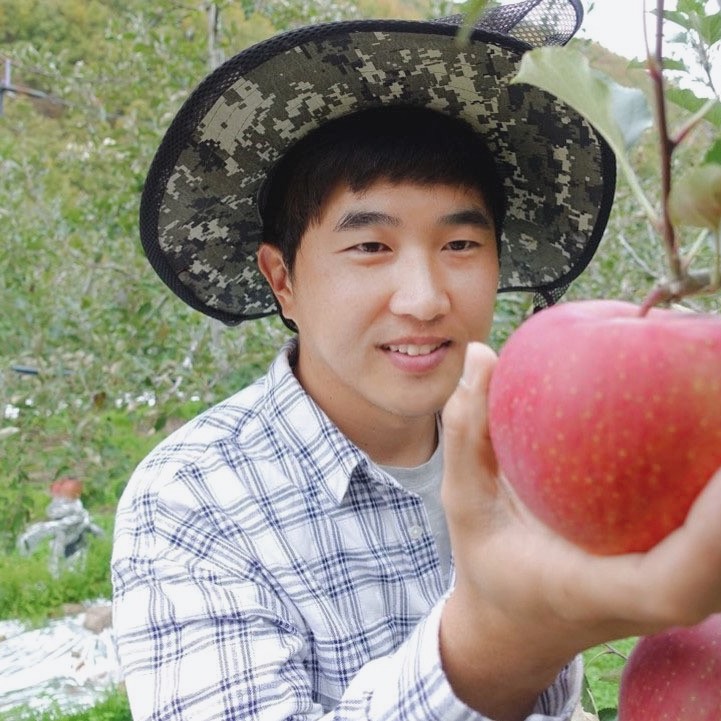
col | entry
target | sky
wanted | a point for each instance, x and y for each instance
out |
(618, 26)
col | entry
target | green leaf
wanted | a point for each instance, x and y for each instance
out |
(618, 113)
(608, 714)
(690, 6)
(684, 19)
(694, 19)
(688, 100)
(695, 198)
(630, 111)
(672, 64)
(472, 9)
(668, 64)
(679, 39)
(710, 28)
(713, 154)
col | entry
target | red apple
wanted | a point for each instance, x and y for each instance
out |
(606, 423)
(674, 675)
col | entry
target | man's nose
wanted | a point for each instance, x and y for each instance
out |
(420, 291)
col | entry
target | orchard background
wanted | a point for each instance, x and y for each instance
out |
(98, 360)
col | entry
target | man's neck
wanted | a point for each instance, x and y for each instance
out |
(405, 447)
(389, 436)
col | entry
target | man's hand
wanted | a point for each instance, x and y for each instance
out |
(526, 600)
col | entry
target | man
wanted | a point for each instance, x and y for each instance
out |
(287, 555)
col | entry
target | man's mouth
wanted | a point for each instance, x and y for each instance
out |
(415, 350)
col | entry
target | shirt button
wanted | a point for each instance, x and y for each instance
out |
(415, 532)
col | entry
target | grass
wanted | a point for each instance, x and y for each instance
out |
(30, 593)
(113, 707)
(603, 665)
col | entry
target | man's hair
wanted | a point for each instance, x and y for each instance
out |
(396, 144)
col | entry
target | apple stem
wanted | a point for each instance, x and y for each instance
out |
(690, 283)
(657, 296)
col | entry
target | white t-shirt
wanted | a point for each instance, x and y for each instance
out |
(425, 481)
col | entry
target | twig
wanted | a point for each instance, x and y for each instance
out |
(613, 650)
(655, 66)
(690, 283)
(637, 258)
(693, 122)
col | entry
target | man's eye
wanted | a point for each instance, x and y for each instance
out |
(461, 245)
(370, 247)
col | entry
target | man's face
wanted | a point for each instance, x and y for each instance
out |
(388, 288)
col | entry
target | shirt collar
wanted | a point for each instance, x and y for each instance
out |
(329, 457)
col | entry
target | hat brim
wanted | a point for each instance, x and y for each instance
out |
(199, 222)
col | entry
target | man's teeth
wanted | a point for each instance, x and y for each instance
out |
(414, 349)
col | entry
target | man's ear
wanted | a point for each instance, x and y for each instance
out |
(273, 268)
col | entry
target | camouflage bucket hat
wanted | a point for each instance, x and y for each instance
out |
(199, 220)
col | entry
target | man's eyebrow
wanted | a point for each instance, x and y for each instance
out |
(363, 218)
(469, 216)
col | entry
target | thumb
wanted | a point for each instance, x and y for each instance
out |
(469, 461)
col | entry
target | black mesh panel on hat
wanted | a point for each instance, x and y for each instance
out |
(535, 22)
(547, 297)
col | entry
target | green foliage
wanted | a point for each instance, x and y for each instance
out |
(697, 200)
(511, 309)
(118, 363)
(296, 14)
(629, 261)
(18, 499)
(68, 25)
(114, 707)
(693, 17)
(603, 666)
(114, 355)
(91, 440)
(28, 591)
(689, 101)
(620, 114)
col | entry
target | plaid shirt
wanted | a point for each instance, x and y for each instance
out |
(265, 568)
